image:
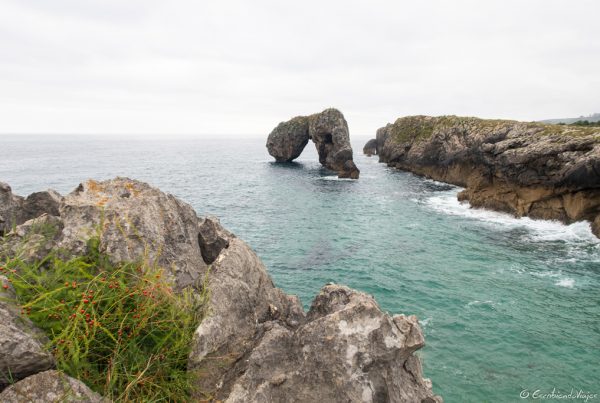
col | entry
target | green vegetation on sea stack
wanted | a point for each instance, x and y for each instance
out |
(119, 328)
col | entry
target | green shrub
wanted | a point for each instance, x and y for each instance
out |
(118, 328)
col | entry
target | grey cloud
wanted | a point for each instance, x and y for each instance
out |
(240, 67)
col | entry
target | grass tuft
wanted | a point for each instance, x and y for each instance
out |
(118, 328)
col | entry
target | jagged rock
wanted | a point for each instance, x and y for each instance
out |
(11, 209)
(328, 130)
(22, 351)
(527, 169)
(370, 147)
(347, 351)
(212, 239)
(255, 340)
(15, 210)
(288, 139)
(38, 203)
(50, 386)
(137, 221)
(242, 296)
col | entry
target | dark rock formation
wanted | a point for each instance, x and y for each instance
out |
(10, 209)
(256, 343)
(328, 130)
(527, 169)
(15, 210)
(22, 351)
(50, 386)
(288, 139)
(212, 239)
(370, 147)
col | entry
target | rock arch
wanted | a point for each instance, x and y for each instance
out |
(328, 130)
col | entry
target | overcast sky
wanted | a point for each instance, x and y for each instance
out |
(240, 67)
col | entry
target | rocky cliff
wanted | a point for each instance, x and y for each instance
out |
(526, 169)
(256, 343)
(328, 130)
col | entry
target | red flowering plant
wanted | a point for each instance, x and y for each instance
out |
(118, 328)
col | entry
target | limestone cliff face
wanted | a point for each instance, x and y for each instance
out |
(527, 169)
(256, 342)
(328, 130)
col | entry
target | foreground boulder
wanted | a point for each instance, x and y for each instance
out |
(328, 130)
(526, 169)
(22, 345)
(49, 386)
(256, 343)
(346, 351)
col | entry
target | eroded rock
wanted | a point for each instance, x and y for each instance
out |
(50, 386)
(255, 343)
(328, 130)
(11, 209)
(370, 147)
(288, 139)
(134, 221)
(527, 169)
(15, 210)
(347, 351)
(242, 296)
(212, 238)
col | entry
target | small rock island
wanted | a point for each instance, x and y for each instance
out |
(328, 130)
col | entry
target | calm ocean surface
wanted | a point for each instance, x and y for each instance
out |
(505, 304)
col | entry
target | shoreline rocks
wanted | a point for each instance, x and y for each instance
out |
(527, 169)
(256, 342)
(329, 132)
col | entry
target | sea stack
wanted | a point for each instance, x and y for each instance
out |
(328, 130)
(530, 169)
(370, 147)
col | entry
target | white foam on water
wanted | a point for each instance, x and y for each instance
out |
(334, 178)
(540, 230)
(425, 322)
(477, 302)
(565, 282)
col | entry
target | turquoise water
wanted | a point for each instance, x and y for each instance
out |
(505, 304)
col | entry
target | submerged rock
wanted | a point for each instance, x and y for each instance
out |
(50, 386)
(256, 343)
(370, 147)
(328, 130)
(526, 169)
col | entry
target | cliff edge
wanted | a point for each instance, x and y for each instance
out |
(527, 169)
(255, 343)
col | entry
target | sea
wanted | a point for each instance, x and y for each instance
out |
(508, 306)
